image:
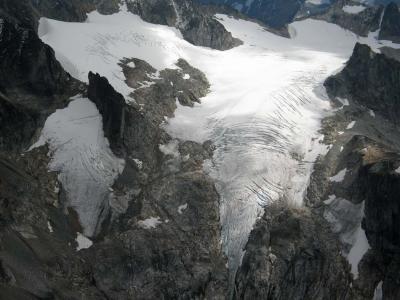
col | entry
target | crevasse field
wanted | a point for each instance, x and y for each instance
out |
(263, 111)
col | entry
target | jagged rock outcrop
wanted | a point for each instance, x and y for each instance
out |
(390, 26)
(378, 184)
(111, 106)
(292, 255)
(196, 27)
(366, 154)
(371, 79)
(362, 23)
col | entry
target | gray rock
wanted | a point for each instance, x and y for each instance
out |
(372, 80)
(390, 26)
(274, 13)
(291, 254)
(362, 23)
(196, 26)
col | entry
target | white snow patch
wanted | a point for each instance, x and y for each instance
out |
(397, 170)
(359, 248)
(50, 227)
(171, 148)
(340, 132)
(83, 242)
(315, 2)
(82, 156)
(131, 65)
(378, 293)
(339, 177)
(372, 113)
(351, 125)
(341, 148)
(138, 163)
(345, 219)
(181, 208)
(330, 199)
(186, 76)
(150, 223)
(344, 101)
(353, 9)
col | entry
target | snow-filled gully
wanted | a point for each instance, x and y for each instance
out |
(263, 111)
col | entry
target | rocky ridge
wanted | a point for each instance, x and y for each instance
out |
(370, 79)
(362, 23)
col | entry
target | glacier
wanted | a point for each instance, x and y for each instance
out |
(263, 111)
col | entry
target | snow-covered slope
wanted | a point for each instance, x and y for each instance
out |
(262, 113)
(81, 154)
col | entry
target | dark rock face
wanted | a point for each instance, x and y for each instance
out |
(369, 152)
(185, 85)
(390, 27)
(380, 185)
(179, 256)
(196, 26)
(391, 52)
(292, 255)
(370, 79)
(111, 106)
(32, 82)
(274, 13)
(362, 23)
(28, 12)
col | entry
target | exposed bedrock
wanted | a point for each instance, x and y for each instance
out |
(196, 26)
(362, 23)
(291, 254)
(390, 26)
(32, 83)
(367, 154)
(372, 80)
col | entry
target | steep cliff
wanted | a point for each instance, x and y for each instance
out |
(371, 79)
(390, 26)
(32, 82)
(292, 255)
